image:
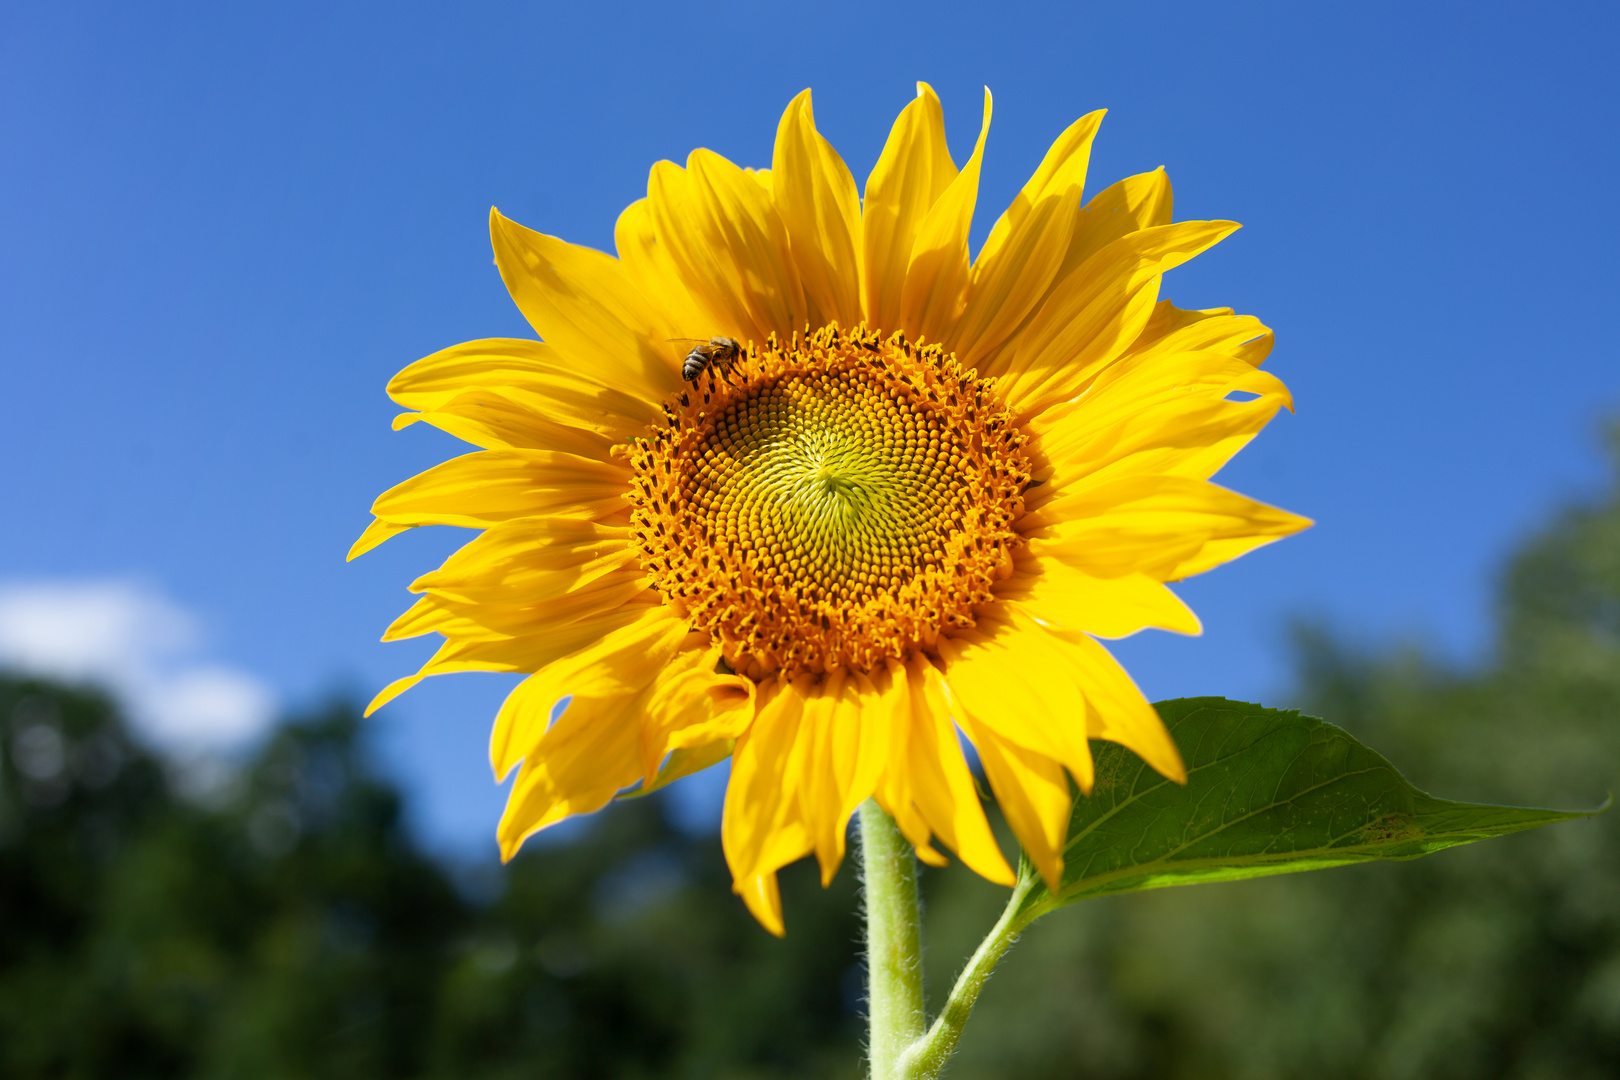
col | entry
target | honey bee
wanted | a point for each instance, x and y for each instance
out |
(720, 351)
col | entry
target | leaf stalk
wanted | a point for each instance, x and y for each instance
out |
(925, 1059)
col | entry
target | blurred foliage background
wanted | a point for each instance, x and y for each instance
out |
(281, 923)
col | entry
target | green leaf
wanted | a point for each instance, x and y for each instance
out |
(1268, 792)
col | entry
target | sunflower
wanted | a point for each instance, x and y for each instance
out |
(901, 499)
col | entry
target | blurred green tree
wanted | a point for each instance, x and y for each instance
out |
(279, 926)
(282, 924)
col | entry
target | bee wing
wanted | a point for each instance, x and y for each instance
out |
(687, 342)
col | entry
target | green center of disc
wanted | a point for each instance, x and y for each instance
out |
(832, 479)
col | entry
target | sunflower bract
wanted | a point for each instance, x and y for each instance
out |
(907, 508)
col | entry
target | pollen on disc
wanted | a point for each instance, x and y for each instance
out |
(831, 503)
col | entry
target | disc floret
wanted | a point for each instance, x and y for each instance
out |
(836, 500)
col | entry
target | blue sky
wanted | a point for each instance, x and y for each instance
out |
(223, 227)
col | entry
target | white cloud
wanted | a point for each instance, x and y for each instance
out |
(141, 646)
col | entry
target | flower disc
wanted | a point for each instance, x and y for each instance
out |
(834, 502)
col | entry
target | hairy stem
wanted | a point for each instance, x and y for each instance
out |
(893, 941)
(925, 1058)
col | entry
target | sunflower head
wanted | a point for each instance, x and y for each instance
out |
(794, 479)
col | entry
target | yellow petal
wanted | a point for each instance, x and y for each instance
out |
(392, 691)
(602, 678)
(1063, 598)
(581, 302)
(847, 737)
(1135, 203)
(1094, 314)
(479, 489)
(1006, 285)
(940, 783)
(529, 560)
(858, 744)
(764, 900)
(378, 531)
(895, 793)
(937, 273)
(549, 599)
(1062, 169)
(1027, 248)
(596, 747)
(1116, 709)
(693, 706)
(1033, 794)
(913, 171)
(531, 623)
(531, 374)
(684, 762)
(466, 622)
(726, 239)
(1165, 414)
(1176, 330)
(493, 421)
(761, 829)
(1056, 691)
(632, 681)
(584, 760)
(1168, 527)
(831, 745)
(647, 261)
(815, 195)
(537, 635)
(1010, 678)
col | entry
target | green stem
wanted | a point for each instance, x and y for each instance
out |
(893, 941)
(925, 1059)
